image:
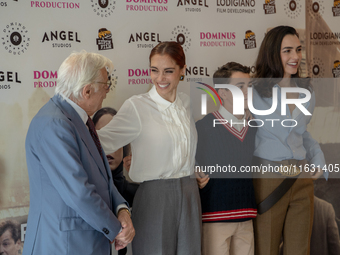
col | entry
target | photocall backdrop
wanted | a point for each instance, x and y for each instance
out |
(36, 36)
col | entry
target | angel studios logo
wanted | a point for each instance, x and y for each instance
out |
(8, 78)
(15, 38)
(196, 73)
(316, 9)
(103, 8)
(193, 5)
(181, 34)
(293, 8)
(144, 39)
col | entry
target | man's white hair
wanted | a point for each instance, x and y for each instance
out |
(78, 70)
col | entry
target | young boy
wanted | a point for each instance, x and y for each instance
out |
(228, 201)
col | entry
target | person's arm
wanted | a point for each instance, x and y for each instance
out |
(202, 179)
(128, 232)
(60, 157)
(121, 130)
(314, 155)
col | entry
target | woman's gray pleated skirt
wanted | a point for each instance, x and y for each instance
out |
(167, 217)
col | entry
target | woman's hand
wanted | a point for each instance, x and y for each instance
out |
(317, 173)
(202, 179)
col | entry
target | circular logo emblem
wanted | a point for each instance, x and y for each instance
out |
(316, 68)
(103, 3)
(181, 35)
(103, 8)
(292, 8)
(292, 5)
(15, 38)
(114, 78)
(180, 39)
(316, 8)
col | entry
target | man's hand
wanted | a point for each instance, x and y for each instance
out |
(128, 232)
(127, 162)
(202, 179)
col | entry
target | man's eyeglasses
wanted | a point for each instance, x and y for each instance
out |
(108, 83)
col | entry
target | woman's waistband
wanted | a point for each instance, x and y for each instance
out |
(287, 168)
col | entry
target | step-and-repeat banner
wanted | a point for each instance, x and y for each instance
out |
(36, 36)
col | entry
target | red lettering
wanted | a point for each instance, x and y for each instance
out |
(138, 72)
(54, 75)
(145, 72)
(131, 72)
(36, 74)
(45, 74)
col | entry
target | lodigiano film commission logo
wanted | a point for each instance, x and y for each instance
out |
(181, 35)
(104, 40)
(269, 7)
(316, 68)
(336, 8)
(249, 41)
(15, 38)
(316, 9)
(103, 8)
(336, 69)
(293, 8)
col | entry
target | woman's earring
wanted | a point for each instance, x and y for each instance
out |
(181, 78)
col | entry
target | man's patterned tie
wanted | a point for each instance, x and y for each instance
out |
(94, 135)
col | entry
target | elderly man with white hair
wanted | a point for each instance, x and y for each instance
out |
(74, 206)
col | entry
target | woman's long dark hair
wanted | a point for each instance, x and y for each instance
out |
(269, 64)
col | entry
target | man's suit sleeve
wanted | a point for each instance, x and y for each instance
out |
(60, 151)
